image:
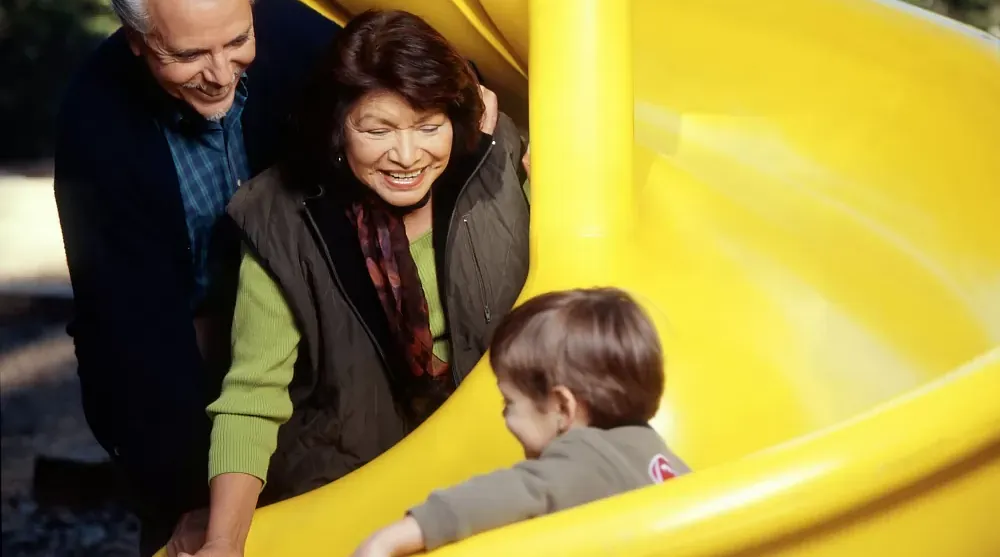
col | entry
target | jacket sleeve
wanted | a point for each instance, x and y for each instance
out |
(529, 489)
(141, 375)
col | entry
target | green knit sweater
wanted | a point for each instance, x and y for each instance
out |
(254, 401)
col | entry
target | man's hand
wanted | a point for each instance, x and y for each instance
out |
(526, 160)
(489, 122)
(217, 548)
(189, 534)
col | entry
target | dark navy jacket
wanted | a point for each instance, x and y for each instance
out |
(144, 383)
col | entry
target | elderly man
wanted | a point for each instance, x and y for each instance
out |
(159, 128)
(157, 131)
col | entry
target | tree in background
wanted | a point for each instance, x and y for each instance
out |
(984, 14)
(43, 41)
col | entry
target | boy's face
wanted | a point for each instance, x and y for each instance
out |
(533, 426)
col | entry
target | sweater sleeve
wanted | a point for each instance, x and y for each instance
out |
(254, 401)
(560, 479)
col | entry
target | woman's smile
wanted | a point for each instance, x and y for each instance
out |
(395, 150)
(403, 180)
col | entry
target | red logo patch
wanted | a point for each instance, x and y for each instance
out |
(660, 470)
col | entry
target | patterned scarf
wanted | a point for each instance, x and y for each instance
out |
(394, 274)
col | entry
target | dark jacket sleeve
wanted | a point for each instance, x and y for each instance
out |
(513, 143)
(565, 476)
(143, 386)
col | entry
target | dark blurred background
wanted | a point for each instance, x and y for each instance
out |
(41, 43)
(57, 496)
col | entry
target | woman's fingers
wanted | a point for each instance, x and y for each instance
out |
(489, 122)
(189, 534)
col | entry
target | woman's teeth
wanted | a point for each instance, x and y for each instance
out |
(404, 177)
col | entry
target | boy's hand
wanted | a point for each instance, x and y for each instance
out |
(373, 547)
(400, 538)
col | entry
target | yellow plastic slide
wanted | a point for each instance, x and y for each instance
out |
(806, 195)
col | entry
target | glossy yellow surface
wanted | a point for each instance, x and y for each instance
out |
(806, 195)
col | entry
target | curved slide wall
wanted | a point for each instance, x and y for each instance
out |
(806, 196)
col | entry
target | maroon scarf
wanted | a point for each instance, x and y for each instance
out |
(394, 274)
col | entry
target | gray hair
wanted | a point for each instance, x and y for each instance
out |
(134, 14)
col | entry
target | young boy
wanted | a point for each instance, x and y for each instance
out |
(581, 373)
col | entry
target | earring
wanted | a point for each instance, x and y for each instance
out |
(340, 159)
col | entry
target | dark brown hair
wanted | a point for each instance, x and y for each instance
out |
(380, 50)
(598, 343)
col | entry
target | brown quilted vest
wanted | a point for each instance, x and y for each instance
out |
(345, 388)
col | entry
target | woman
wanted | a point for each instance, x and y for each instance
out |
(378, 259)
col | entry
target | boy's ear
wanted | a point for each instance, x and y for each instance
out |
(568, 407)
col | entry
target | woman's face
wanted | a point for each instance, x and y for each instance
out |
(395, 150)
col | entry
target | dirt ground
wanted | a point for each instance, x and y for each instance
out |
(41, 418)
(48, 457)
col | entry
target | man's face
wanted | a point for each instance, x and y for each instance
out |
(197, 50)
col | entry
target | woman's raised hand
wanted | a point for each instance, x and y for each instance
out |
(489, 122)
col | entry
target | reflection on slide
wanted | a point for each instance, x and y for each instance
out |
(805, 195)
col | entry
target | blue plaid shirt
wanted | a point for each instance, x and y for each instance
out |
(211, 164)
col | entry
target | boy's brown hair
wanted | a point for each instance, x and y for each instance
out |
(596, 342)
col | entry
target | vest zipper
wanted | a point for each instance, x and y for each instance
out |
(340, 285)
(447, 254)
(479, 272)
